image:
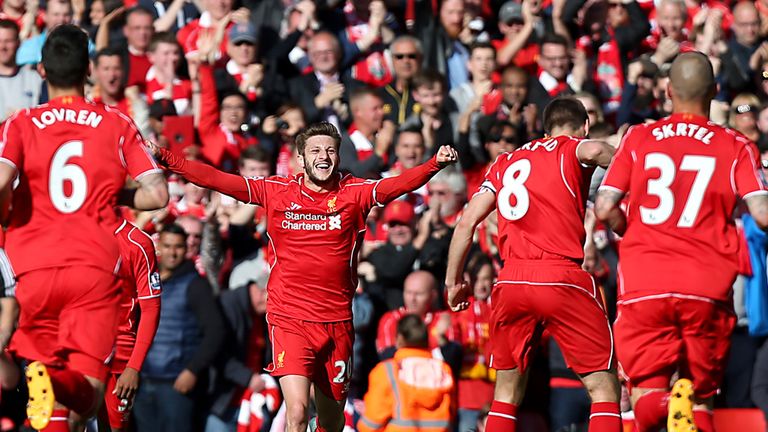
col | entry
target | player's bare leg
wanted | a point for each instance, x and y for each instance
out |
(330, 412)
(9, 372)
(603, 388)
(507, 396)
(296, 393)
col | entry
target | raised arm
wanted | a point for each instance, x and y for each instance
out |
(416, 177)
(479, 207)
(206, 176)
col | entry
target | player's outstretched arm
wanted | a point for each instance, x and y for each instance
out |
(205, 175)
(416, 177)
(152, 193)
(594, 152)
(479, 207)
(758, 208)
(608, 211)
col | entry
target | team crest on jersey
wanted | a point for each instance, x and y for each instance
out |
(154, 281)
(332, 205)
(280, 359)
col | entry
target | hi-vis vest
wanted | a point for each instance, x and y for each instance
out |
(410, 392)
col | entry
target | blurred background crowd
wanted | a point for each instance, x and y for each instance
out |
(231, 83)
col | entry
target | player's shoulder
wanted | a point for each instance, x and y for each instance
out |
(347, 180)
(133, 235)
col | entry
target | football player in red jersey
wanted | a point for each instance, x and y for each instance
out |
(684, 176)
(70, 158)
(141, 291)
(316, 226)
(540, 192)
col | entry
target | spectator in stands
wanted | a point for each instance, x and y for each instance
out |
(554, 77)
(497, 136)
(745, 41)
(436, 117)
(171, 15)
(211, 28)
(138, 31)
(27, 20)
(669, 28)
(19, 86)
(476, 380)
(241, 72)
(57, 12)
(162, 80)
(365, 146)
(638, 101)
(515, 106)
(521, 30)
(423, 397)
(278, 132)
(482, 63)
(448, 192)
(189, 337)
(406, 55)
(443, 50)
(108, 77)
(324, 93)
(743, 115)
(369, 29)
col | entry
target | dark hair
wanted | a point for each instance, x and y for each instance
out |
(10, 25)
(428, 78)
(414, 331)
(163, 37)
(361, 92)
(107, 52)
(555, 39)
(476, 262)
(317, 129)
(65, 56)
(174, 229)
(255, 153)
(601, 130)
(288, 106)
(564, 111)
(514, 69)
(481, 45)
(233, 92)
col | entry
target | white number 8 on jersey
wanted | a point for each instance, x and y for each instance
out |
(513, 184)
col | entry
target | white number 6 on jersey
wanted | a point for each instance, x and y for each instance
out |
(62, 171)
(513, 183)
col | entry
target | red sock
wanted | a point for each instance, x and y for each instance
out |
(72, 390)
(502, 417)
(58, 421)
(605, 417)
(703, 420)
(651, 411)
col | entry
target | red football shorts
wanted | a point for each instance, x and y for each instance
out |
(320, 351)
(118, 411)
(69, 318)
(561, 298)
(657, 336)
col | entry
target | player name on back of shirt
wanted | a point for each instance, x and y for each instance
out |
(689, 130)
(55, 115)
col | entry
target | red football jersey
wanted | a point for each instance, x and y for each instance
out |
(541, 191)
(140, 280)
(72, 157)
(683, 175)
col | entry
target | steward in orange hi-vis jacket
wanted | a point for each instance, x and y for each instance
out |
(412, 391)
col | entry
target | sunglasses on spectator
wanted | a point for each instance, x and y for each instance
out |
(764, 163)
(241, 43)
(409, 56)
(499, 138)
(744, 108)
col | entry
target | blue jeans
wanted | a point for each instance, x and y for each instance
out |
(227, 423)
(468, 419)
(158, 407)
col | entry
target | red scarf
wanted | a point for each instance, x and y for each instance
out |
(607, 72)
(373, 69)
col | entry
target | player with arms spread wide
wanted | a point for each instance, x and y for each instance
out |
(139, 317)
(70, 158)
(540, 192)
(684, 175)
(316, 225)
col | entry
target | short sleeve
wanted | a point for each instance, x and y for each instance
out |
(619, 173)
(492, 180)
(135, 154)
(747, 176)
(11, 143)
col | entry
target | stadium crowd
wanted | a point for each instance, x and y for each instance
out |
(231, 84)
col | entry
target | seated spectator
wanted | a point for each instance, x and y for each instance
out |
(412, 388)
(138, 32)
(189, 338)
(406, 55)
(162, 80)
(436, 116)
(476, 381)
(419, 298)
(365, 146)
(323, 94)
(108, 77)
(19, 86)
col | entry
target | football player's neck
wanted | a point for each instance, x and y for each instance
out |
(690, 107)
(57, 92)
(565, 131)
(321, 186)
